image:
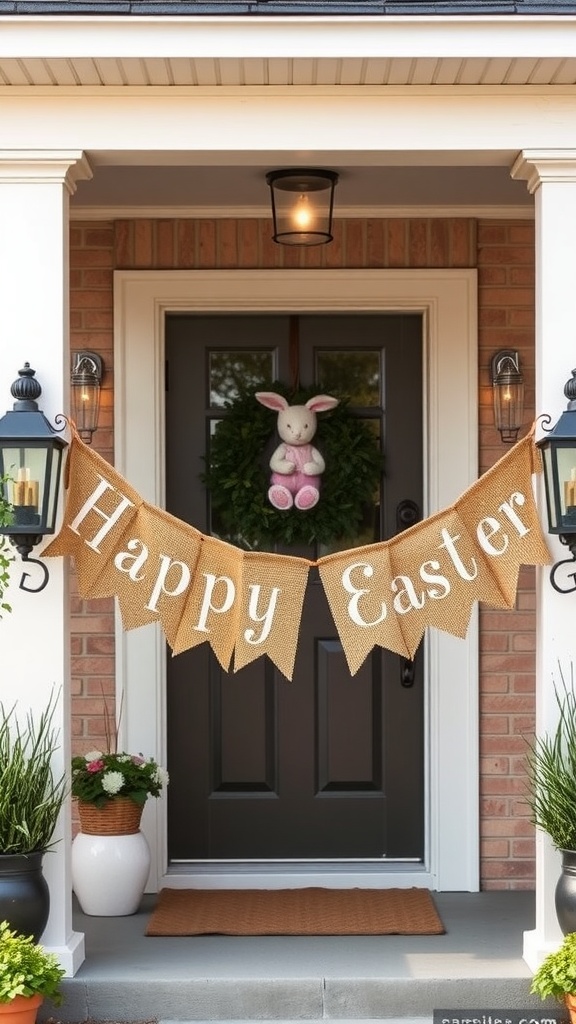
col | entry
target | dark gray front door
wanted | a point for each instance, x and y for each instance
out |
(326, 766)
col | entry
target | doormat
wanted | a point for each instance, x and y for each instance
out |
(295, 912)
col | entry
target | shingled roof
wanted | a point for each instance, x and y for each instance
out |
(287, 7)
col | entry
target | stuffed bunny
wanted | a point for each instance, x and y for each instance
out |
(296, 465)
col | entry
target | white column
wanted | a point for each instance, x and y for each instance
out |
(34, 195)
(551, 177)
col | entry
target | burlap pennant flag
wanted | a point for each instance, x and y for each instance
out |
(211, 611)
(501, 511)
(357, 584)
(439, 575)
(273, 589)
(154, 569)
(100, 506)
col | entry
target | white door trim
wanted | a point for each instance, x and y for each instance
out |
(448, 301)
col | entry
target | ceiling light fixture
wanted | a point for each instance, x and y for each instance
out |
(302, 205)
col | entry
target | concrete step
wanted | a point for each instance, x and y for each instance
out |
(280, 999)
(220, 979)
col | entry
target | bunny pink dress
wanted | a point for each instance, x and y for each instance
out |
(295, 488)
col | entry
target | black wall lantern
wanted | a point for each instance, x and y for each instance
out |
(507, 394)
(559, 456)
(85, 381)
(302, 205)
(30, 469)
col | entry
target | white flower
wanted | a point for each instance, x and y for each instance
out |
(161, 776)
(124, 757)
(93, 755)
(112, 782)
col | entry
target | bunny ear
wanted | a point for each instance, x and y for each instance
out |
(271, 400)
(321, 403)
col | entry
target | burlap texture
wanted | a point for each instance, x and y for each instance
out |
(370, 570)
(509, 482)
(223, 561)
(286, 578)
(85, 472)
(433, 573)
(154, 589)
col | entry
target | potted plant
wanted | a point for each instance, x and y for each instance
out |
(556, 976)
(110, 855)
(28, 975)
(552, 798)
(31, 799)
(112, 788)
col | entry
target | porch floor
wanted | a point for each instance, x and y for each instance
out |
(476, 964)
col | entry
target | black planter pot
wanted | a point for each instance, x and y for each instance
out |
(24, 893)
(565, 895)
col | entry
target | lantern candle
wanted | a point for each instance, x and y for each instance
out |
(25, 490)
(31, 493)
(570, 490)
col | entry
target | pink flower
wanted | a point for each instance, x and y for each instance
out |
(95, 766)
(138, 760)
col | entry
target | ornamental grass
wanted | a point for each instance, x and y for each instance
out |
(552, 775)
(30, 796)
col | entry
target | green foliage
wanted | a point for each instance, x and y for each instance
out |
(6, 555)
(98, 777)
(238, 476)
(30, 797)
(557, 974)
(26, 969)
(552, 776)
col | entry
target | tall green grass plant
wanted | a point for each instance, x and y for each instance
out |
(552, 774)
(30, 796)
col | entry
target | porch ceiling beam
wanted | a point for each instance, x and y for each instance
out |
(300, 123)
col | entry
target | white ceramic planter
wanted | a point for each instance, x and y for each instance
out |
(109, 873)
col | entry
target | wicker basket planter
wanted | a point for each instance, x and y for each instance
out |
(119, 817)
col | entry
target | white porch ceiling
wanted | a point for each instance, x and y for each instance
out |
(413, 56)
(287, 71)
(241, 191)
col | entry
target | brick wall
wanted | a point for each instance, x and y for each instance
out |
(507, 639)
(504, 254)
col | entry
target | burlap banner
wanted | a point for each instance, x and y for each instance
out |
(245, 604)
(388, 594)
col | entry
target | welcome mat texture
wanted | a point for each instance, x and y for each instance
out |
(312, 911)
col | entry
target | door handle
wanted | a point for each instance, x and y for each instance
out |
(407, 514)
(407, 672)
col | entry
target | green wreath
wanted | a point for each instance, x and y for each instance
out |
(237, 475)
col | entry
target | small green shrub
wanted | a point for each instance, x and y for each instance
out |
(26, 969)
(557, 974)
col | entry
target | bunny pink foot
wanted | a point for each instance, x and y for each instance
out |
(307, 497)
(280, 496)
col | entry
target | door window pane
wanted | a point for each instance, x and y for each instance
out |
(229, 371)
(355, 373)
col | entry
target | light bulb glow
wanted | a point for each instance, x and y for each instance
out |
(302, 213)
